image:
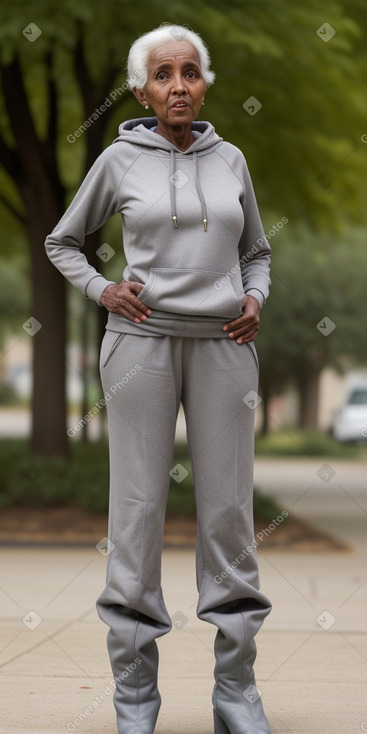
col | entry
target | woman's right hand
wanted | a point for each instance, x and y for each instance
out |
(121, 299)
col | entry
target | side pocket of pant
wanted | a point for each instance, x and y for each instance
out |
(114, 346)
(253, 353)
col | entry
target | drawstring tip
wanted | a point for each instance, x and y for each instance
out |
(175, 220)
(205, 223)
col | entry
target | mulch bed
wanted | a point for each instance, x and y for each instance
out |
(76, 526)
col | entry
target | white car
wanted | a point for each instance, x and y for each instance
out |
(350, 421)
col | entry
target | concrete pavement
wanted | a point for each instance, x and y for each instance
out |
(312, 649)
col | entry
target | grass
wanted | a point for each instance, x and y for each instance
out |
(305, 444)
(82, 480)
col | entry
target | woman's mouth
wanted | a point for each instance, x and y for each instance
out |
(180, 106)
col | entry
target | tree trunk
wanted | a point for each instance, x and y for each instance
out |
(84, 348)
(32, 164)
(265, 396)
(49, 410)
(308, 392)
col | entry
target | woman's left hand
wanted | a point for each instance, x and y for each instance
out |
(246, 327)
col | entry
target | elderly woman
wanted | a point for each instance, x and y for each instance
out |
(180, 329)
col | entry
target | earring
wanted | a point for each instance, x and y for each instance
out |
(146, 107)
(203, 102)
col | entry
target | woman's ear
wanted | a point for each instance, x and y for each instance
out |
(140, 96)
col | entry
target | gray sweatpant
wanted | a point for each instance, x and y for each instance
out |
(144, 379)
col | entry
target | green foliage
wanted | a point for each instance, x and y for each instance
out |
(310, 120)
(313, 277)
(181, 496)
(312, 92)
(33, 480)
(83, 480)
(8, 396)
(266, 508)
(290, 442)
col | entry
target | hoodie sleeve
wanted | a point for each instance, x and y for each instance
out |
(254, 249)
(93, 204)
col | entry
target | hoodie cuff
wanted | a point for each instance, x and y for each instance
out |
(256, 294)
(96, 286)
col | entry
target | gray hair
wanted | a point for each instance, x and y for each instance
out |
(137, 61)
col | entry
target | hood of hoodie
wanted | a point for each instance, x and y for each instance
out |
(140, 132)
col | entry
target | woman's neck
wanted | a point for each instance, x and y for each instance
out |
(181, 137)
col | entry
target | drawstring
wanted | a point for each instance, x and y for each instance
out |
(173, 187)
(201, 197)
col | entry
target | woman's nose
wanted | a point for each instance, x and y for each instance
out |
(178, 86)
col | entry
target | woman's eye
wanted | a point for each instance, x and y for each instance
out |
(162, 75)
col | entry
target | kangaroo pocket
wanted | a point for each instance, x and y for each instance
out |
(191, 292)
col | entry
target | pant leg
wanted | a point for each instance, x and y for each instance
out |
(142, 386)
(217, 375)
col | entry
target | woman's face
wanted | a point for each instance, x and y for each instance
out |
(175, 86)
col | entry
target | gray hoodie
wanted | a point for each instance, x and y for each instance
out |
(192, 232)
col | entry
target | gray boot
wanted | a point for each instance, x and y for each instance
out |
(134, 661)
(237, 705)
(237, 710)
(254, 722)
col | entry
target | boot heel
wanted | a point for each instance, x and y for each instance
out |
(220, 727)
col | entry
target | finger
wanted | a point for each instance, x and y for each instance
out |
(245, 331)
(128, 315)
(134, 313)
(136, 307)
(244, 340)
(135, 302)
(132, 304)
(125, 308)
(242, 328)
(245, 334)
(243, 320)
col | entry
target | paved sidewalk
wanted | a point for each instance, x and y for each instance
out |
(312, 675)
(331, 495)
